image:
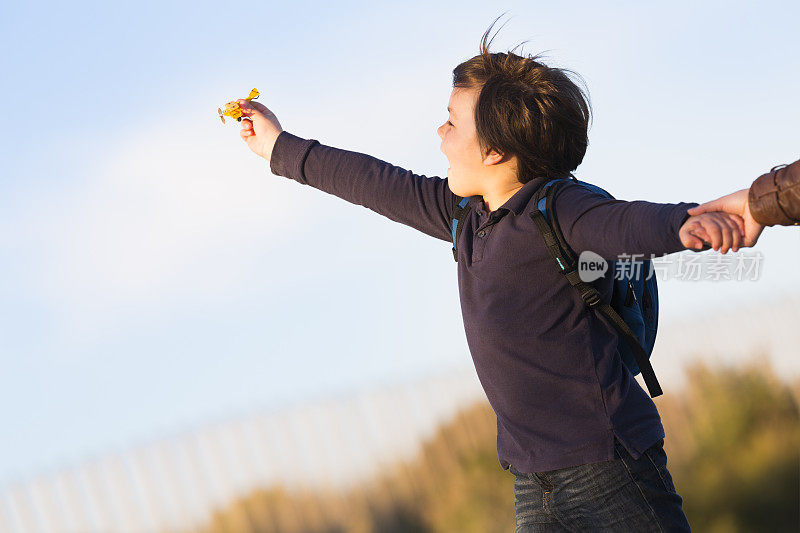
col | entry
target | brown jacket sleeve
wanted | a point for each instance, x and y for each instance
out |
(775, 196)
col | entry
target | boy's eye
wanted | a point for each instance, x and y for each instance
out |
(449, 122)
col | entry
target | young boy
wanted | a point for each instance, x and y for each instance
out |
(583, 439)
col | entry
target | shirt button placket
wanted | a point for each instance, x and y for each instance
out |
(479, 244)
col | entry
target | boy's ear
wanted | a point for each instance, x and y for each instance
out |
(493, 157)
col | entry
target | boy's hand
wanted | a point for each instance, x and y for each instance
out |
(723, 230)
(260, 129)
(737, 204)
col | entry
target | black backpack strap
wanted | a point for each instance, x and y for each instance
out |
(639, 354)
(568, 264)
(461, 208)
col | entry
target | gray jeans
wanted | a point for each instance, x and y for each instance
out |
(618, 495)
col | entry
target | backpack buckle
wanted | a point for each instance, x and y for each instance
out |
(591, 296)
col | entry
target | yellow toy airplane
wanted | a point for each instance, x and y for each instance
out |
(233, 110)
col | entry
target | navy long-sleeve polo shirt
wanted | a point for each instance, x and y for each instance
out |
(549, 365)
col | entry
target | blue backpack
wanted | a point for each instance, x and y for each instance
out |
(634, 300)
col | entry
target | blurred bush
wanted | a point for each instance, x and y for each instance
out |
(733, 446)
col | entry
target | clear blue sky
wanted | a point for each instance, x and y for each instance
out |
(155, 275)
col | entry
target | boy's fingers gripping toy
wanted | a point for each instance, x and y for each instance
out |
(232, 108)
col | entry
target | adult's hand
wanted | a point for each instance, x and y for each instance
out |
(735, 204)
(260, 129)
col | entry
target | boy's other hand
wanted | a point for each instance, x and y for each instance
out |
(723, 231)
(260, 129)
(736, 204)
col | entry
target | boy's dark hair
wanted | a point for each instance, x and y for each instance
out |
(528, 110)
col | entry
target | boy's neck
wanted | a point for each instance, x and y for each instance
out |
(494, 199)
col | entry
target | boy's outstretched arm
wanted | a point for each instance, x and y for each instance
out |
(414, 200)
(611, 227)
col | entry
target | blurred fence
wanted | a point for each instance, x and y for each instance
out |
(174, 484)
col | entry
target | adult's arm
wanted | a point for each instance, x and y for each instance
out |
(774, 197)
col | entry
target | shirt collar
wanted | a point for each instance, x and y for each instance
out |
(516, 203)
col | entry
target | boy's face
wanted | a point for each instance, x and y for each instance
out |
(467, 173)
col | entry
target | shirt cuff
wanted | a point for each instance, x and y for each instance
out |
(289, 155)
